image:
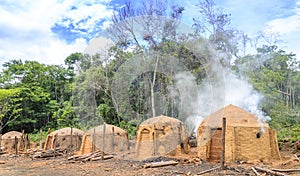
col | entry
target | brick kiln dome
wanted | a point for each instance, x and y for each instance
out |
(161, 119)
(67, 131)
(11, 135)
(108, 130)
(235, 116)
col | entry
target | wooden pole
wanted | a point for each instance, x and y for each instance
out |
(128, 147)
(223, 143)
(41, 138)
(16, 145)
(27, 143)
(179, 137)
(113, 139)
(76, 142)
(154, 143)
(94, 140)
(209, 170)
(22, 141)
(103, 141)
(54, 143)
(71, 149)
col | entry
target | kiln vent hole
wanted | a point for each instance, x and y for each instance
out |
(258, 135)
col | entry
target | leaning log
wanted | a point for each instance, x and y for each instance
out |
(286, 170)
(106, 157)
(255, 171)
(269, 171)
(160, 164)
(209, 170)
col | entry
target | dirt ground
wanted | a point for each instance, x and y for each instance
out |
(187, 165)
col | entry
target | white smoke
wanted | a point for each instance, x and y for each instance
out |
(214, 94)
(241, 93)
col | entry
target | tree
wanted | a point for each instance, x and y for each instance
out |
(9, 106)
(214, 24)
(43, 91)
(275, 74)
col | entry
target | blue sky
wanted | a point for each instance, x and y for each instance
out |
(50, 30)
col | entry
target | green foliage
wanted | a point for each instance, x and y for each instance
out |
(35, 95)
(35, 136)
(130, 127)
(275, 74)
(10, 106)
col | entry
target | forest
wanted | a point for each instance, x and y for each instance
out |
(92, 89)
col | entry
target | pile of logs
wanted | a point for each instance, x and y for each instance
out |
(94, 156)
(48, 153)
(276, 172)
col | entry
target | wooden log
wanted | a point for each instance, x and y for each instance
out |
(103, 140)
(16, 145)
(84, 156)
(209, 170)
(41, 139)
(285, 170)
(255, 171)
(75, 157)
(160, 164)
(71, 147)
(91, 157)
(223, 143)
(128, 146)
(113, 139)
(269, 171)
(46, 155)
(94, 140)
(106, 157)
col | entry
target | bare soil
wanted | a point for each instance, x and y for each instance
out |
(188, 165)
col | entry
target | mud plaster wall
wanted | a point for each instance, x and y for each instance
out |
(8, 145)
(241, 143)
(113, 143)
(70, 142)
(247, 146)
(8, 141)
(274, 145)
(161, 139)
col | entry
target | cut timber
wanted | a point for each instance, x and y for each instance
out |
(269, 171)
(286, 170)
(84, 157)
(160, 164)
(106, 157)
(255, 171)
(209, 170)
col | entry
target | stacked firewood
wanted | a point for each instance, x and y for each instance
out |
(94, 156)
(49, 153)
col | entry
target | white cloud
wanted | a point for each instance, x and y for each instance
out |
(288, 28)
(26, 28)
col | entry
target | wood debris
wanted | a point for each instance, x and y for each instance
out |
(94, 156)
(269, 171)
(286, 170)
(48, 153)
(255, 171)
(160, 164)
(209, 170)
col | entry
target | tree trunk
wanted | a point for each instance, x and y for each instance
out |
(152, 88)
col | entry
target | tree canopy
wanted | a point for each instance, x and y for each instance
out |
(143, 74)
